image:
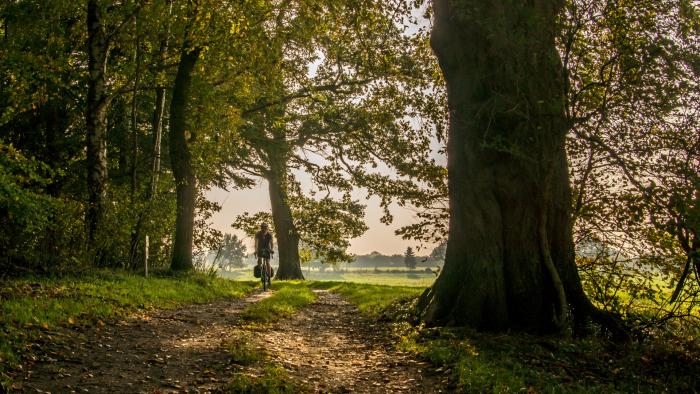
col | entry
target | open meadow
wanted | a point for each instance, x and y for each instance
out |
(389, 276)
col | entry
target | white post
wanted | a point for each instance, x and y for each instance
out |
(145, 256)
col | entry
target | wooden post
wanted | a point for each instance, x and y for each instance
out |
(145, 256)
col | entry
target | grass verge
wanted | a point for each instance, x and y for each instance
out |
(371, 300)
(475, 362)
(288, 298)
(505, 363)
(31, 308)
(255, 373)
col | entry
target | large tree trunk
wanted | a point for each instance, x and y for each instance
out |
(181, 160)
(95, 120)
(285, 231)
(510, 260)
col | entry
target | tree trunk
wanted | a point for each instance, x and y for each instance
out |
(181, 161)
(157, 125)
(159, 110)
(95, 120)
(510, 259)
(135, 105)
(285, 231)
(136, 231)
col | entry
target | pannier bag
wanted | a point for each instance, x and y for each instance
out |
(257, 271)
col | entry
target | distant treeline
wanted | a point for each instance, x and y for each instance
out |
(376, 259)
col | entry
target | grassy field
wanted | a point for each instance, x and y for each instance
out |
(388, 278)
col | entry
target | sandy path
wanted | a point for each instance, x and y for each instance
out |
(332, 348)
(329, 347)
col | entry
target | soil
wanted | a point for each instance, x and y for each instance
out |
(328, 347)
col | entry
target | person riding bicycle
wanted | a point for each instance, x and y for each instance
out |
(263, 248)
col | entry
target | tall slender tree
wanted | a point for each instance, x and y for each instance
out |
(180, 153)
(97, 103)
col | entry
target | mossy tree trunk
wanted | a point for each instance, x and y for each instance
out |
(510, 258)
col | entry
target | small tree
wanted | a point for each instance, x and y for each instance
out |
(439, 252)
(410, 259)
(232, 252)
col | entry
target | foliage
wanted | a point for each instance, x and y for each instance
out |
(39, 232)
(439, 251)
(335, 107)
(632, 99)
(231, 252)
(324, 226)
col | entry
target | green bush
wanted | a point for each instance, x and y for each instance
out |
(38, 232)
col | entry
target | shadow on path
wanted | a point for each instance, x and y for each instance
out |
(164, 351)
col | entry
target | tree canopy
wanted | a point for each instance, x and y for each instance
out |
(117, 117)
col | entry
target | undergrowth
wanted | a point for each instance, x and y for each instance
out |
(476, 362)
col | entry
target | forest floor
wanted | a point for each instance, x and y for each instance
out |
(328, 346)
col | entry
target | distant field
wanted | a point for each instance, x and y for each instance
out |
(417, 279)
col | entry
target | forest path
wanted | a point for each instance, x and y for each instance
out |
(331, 348)
(176, 350)
(328, 347)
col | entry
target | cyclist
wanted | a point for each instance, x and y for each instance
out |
(263, 250)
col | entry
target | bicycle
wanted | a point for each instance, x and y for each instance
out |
(266, 273)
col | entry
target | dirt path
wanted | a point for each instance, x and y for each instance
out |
(164, 351)
(332, 348)
(328, 346)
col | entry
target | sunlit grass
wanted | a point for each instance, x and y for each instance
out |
(273, 380)
(369, 299)
(389, 278)
(288, 298)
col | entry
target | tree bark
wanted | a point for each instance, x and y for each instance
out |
(285, 231)
(181, 160)
(136, 231)
(159, 109)
(97, 103)
(135, 106)
(510, 257)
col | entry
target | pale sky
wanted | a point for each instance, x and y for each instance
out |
(379, 237)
